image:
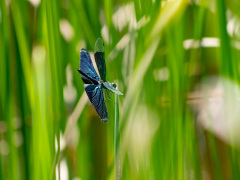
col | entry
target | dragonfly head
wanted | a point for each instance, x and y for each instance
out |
(114, 85)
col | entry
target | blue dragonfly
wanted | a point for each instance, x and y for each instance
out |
(93, 85)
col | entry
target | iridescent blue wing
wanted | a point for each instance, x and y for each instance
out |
(99, 58)
(110, 87)
(86, 66)
(95, 95)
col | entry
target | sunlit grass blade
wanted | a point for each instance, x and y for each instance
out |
(40, 131)
(52, 34)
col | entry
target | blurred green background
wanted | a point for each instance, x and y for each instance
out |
(176, 61)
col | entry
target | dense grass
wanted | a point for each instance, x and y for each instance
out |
(160, 54)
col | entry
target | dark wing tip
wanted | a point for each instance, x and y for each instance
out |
(100, 41)
(79, 71)
(99, 46)
(105, 120)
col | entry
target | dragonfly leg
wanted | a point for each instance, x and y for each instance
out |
(108, 95)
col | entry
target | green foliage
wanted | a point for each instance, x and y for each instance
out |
(157, 52)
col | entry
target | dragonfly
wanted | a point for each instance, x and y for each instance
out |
(93, 85)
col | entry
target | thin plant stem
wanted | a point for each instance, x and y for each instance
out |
(117, 163)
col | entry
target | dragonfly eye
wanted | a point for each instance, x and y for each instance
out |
(114, 85)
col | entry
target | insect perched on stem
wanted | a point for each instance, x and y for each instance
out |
(93, 85)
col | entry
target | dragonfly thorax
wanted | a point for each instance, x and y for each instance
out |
(106, 84)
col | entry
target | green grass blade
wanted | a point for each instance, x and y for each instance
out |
(117, 162)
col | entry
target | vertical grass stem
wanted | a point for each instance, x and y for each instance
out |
(117, 163)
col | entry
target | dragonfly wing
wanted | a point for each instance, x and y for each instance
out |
(95, 95)
(99, 58)
(86, 66)
(111, 88)
(86, 80)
